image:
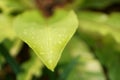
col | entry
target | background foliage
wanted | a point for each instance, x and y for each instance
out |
(93, 53)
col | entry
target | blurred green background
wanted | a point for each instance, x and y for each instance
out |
(93, 53)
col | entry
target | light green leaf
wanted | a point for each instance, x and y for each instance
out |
(100, 23)
(31, 68)
(114, 20)
(8, 6)
(6, 29)
(47, 37)
(109, 56)
(13, 46)
(86, 67)
(107, 51)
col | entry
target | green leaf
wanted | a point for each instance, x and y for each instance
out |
(9, 6)
(31, 68)
(105, 34)
(6, 29)
(86, 66)
(110, 49)
(2, 61)
(101, 24)
(107, 51)
(114, 20)
(47, 37)
(13, 46)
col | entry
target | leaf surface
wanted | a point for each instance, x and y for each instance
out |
(84, 67)
(47, 37)
(6, 29)
(32, 67)
(101, 24)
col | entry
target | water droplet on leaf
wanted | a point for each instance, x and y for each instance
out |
(47, 41)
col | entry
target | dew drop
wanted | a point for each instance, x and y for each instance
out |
(59, 42)
(51, 52)
(50, 61)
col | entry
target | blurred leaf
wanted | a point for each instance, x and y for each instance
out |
(6, 30)
(8, 5)
(13, 46)
(102, 24)
(31, 68)
(16, 47)
(12, 62)
(87, 67)
(105, 34)
(114, 20)
(76, 4)
(1, 61)
(107, 51)
(47, 37)
(29, 3)
(15, 6)
(98, 4)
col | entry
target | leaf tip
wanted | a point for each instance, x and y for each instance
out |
(51, 66)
